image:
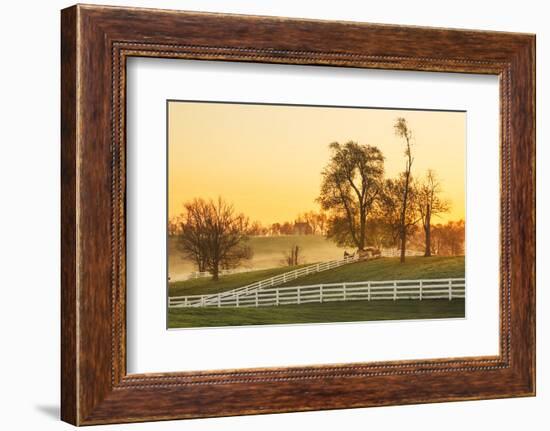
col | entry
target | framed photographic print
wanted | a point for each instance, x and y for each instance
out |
(268, 215)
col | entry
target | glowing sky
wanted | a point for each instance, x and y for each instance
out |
(267, 159)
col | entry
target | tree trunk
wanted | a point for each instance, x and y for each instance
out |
(427, 232)
(216, 271)
(403, 245)
(403, 218)
(362, 230)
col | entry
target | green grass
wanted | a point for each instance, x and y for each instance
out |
(350, 311)
(268, 252)
(205, 286)
(378, 269)
(388, 268)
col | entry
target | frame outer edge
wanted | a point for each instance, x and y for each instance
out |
(69, 202)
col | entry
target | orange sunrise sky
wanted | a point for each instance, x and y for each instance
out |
(267, 159)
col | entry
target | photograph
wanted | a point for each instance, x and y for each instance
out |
(292, 214)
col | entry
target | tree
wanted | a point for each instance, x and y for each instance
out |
(293, 257)
(286, 228)
(399, 220)
(430, 204)
(351, 182)
(402, 130)
(317, 221)
(256, 229)
(213, 235)
(448, 239)
(275, 229)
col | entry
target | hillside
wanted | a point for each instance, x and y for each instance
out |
(378, 269)
(389, 268)
(205, 286)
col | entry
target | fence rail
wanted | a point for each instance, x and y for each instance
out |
(447, 288)
(285, 277)
(395, 252)
(204, 274)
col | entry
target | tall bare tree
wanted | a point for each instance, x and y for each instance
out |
(351, 182)
(213, 235)
(402, 130)
(430, 204)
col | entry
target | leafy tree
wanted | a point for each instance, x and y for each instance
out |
(351, 183)
(399, 220)
(448, 239)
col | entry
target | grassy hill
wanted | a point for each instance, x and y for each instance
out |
(378, 269)
(351, 311)
(205, 286)
(345, 311)
(389, 268)
(268, 252)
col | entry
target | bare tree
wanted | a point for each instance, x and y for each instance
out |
(402, 130)
(351, 182)
(213, 235)
(293, 257)
(430, 204)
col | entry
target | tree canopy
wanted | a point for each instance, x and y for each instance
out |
(351, 182)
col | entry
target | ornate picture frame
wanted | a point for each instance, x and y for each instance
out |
(96, 42)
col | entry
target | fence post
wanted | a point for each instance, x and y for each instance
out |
(256, 298)
(219, 300)
(368, 291)
(185, 302)
(320, 293)
(277, 296)
(395, 290)
(450, 290)
(317, 267)
(202, 300)
(420, 290)
(237, 300)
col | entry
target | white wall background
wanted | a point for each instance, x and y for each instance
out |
(29, 215)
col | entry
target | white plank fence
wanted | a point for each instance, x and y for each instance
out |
(447, 288)
(204, 274)
(199, 300)
(395, 252)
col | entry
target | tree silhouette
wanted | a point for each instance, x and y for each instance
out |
(430, 204)
(351, 182)
(213, 235)
(402, 130)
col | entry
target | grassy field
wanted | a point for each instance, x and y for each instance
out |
(205, 286)
(378, 269)
(268, 252)
(389, 268)
(351, 311)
